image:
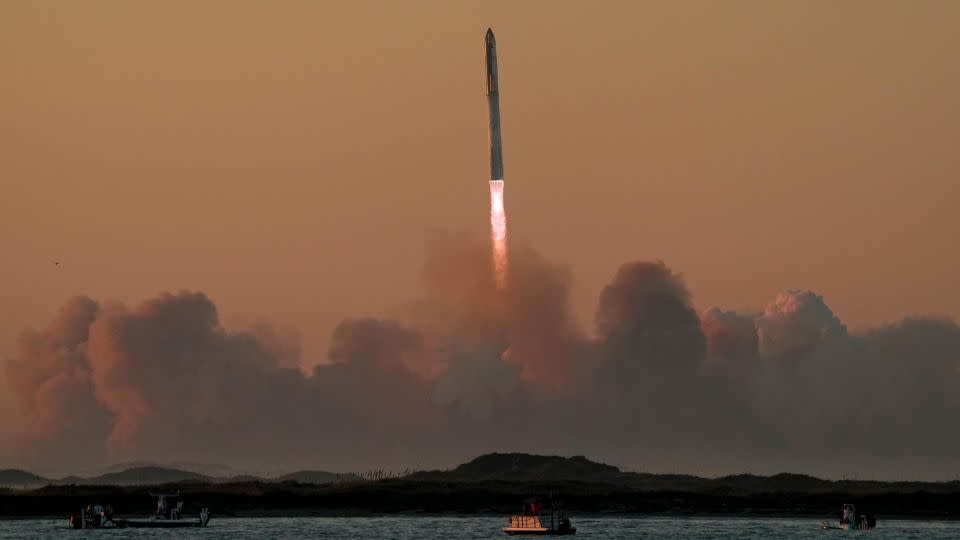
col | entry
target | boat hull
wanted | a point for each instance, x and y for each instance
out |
(538, 531)
(163, 523)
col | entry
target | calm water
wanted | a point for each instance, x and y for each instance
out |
(488, 527)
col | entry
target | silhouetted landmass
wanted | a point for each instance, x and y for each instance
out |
(214, 470)
(18, 478)
(241, 478)
(156, 475)
(499, 483)
(525, 468)
(140, 476)
(317, 477)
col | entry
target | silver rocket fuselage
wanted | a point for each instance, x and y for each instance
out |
(493, 107)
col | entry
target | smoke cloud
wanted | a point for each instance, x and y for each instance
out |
(796, 322)
(481, 365)
(730, 336)
(51, 379)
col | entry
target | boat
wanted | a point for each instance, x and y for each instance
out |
(168, 516)
(534, 519)
(851, 521)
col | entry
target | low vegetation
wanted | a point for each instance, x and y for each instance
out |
(497, 484)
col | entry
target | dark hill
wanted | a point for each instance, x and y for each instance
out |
(18, 478)
(139, 476)
(797, 483)
(526, 468)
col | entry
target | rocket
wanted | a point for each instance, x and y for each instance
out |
(493, 108)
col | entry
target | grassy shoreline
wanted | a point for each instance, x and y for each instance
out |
(491, 498)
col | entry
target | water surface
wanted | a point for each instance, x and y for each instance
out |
(488, 527)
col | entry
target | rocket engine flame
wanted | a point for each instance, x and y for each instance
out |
(498, 230)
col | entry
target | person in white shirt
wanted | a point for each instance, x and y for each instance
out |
(97, 515)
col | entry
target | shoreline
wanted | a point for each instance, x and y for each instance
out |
(430, 498)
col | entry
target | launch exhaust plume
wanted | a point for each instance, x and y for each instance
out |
(498, 228)
(498, 217)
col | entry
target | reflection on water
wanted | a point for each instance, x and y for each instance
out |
(489, 527)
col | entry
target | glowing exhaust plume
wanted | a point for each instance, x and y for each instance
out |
(498, 228)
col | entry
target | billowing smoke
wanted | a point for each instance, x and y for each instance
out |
(646, 323)
(167, 366)
(731, 337)
(797, 322)
(483, 365)
(51, 378)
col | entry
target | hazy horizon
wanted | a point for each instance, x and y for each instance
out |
(226, 471)
(282, 209)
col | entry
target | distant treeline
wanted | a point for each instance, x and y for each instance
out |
(404, 496)
(499, 484)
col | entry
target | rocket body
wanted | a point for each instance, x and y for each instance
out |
(498, 216)
(493, 108)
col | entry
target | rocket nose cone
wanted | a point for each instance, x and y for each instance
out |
(490, 39)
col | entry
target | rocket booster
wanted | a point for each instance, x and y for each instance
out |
(493, 106)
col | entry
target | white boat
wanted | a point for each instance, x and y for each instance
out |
(851, 521)
(533, 519)
(168, 516)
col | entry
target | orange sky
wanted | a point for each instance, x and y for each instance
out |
(286, 157)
